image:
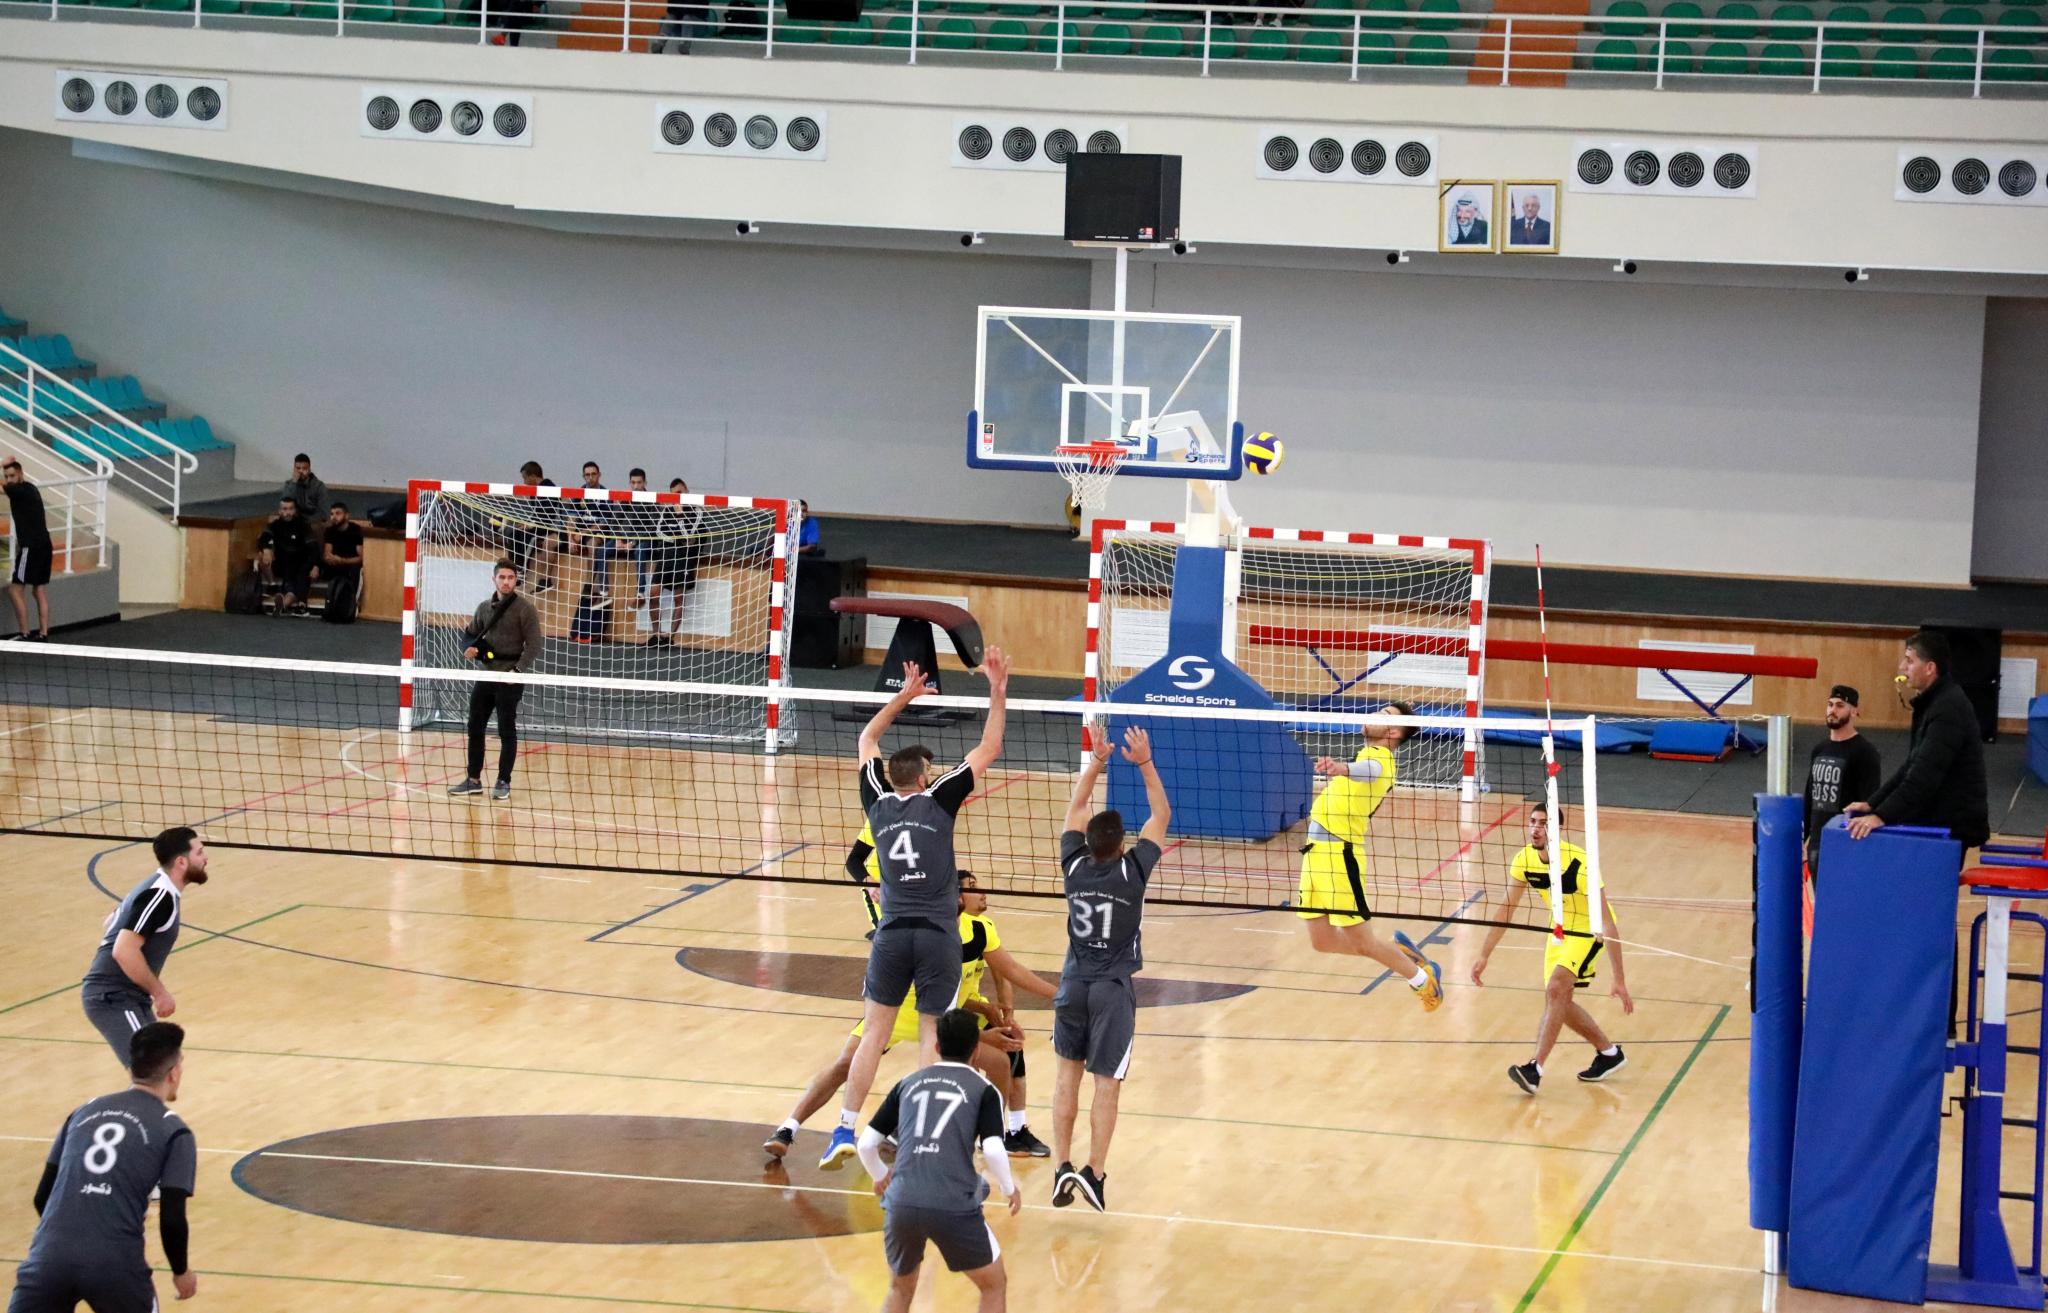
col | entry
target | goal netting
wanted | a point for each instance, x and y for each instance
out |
(1423, 601)
(684, 591)
(307, 756)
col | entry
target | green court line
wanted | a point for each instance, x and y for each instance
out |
(1614, 1168)
(210, 936)
(790, 1089)
(472, 1290)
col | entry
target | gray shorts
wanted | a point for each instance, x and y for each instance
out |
(117, 1016)
(44, 1286)
(917, 955)
(1096, 1021)
(963, 1239)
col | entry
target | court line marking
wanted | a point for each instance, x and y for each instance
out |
(1557, 1251)
(73, 986)
(1173, 1219)
(45, 724)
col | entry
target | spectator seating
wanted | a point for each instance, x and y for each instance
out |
(53, 353)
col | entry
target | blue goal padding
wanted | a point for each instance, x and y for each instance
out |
(1868, 1129)
(1607, 735)
(1774, 1007)
(1691, 739)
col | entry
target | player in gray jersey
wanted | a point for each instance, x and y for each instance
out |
(109, 1155)
(938, 1116)
(1095, 1015)
(916, 943)
(124, 985)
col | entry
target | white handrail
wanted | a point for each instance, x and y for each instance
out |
(50, 410)
(82, 497)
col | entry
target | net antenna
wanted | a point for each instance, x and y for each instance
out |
(1556, 844)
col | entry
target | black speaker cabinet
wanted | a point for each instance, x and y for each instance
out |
(823, 639)
(1973, 654)
(1129, 200)
(824, 11)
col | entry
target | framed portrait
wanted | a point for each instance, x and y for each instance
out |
(1465, 216)
(1529, 221)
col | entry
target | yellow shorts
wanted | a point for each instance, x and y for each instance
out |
(905, 1029)
(1577, 953)
(1332, 876)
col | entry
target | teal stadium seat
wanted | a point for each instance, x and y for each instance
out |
(1323, 47)
(896, 32)
(1446, 16)
(1952, 64)
(1676, 27)
(969, 7)
(371, 11)
(1006, 36)
(1329, 13)
(1841, 61)
(1615, 55)
(1163, 41)
(2007, 64)
(2014, 18)
(1845, 23)
(1020, 11)
(1959, 25)
(1267, 44)
(1109, 39)
(953, 34)
(1625, 18)
(859, 32)
(1384, 15)
(1725, 59)
(1738, 22)
(1790, 23)
(422, 13)
(1427, 50)
(1895, 62)
(1054, 36)
(1375, 49)
(1678, 57)
(1782, 59)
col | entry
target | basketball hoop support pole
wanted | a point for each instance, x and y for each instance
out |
(1116, 341)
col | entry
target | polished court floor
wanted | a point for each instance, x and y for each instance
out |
(427, 1086)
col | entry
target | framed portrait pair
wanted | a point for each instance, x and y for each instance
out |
(1487, 216)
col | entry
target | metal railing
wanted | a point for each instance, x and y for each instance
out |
(63, 418)
(1810, 53)
(74, 496)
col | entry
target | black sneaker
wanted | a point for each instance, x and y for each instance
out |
(1063, 1182)
(1526, 1077)
(1091, 1188)
(501, 790)
(1605, 1065)
(779, 1143)
(1021, 1143)
(18, 638)
(39, 636)
(465, 788)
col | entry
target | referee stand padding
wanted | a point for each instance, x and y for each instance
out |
(1846, 1102)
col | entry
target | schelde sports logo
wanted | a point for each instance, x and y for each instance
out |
(1191, 673)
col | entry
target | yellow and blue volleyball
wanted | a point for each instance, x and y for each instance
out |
(1263, 453)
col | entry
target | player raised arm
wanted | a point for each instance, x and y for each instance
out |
(1515, 893)
(915, 686)
(997, 667)
(1009, 971)
(1138, 752)
(1078, 806)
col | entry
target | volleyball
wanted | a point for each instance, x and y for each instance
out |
(1262, 455)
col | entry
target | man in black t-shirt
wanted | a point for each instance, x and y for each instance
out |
(33, 551)
(1844, 768)
(289, 540)
(341, 558)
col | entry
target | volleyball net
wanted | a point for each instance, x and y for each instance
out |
(303, 756)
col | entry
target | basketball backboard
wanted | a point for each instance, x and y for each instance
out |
(1162, 386)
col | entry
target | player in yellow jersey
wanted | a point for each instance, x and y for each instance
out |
(1332, 897)
(981, 951)
(1568, 963)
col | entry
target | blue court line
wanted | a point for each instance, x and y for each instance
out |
(1436, 936)
(692, 891)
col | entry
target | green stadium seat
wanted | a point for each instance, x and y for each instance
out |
(1427, 50)
(1163, 41)
(1125, 14)
(1320, 15)
(1895, 62)
(1447, 12)
(896, 32)
(969, 7)
(1952, 64)
(426, 13)
(1959, 24)
(1625, 19)
(2019, 18)
(1109, 39)
(1006, 36)
(1844, 21)
(860, 32)
(269, 8)
(1054, 36)
(1790, 23)
(1782, 59)
(1682, 30)
(799, 31)
(370, 11)
(1725, 59)
(1375, 48)
(1384, 15)
(324, 11)
(1020, 11)
(1267, 43)
(1841, 61)
(169, 6)
(1223, 42)
(952, 34)
(1738, 22)
(1323, 47)
(2007, 64)
(1615, 55)
(1678, 58)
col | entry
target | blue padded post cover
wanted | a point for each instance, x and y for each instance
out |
(1867, 1133)
(1774, 1005)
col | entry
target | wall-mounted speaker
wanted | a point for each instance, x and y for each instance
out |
(447, 114)
(1972, 175)
(1723, 170)
(147, 99)
(1392, 156)
(1002, 141)
(739, 129)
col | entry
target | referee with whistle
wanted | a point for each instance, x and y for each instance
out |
(504, 635)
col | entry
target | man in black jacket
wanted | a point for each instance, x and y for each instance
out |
(1941, 782)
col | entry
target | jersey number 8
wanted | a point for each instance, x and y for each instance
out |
(102, 1154)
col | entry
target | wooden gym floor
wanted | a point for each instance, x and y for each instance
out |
(425, 1086)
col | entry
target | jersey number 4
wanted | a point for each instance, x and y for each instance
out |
(901, 850)
(1082, 918)
(922, 1099)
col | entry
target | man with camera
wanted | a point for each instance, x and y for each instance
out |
(504, 635)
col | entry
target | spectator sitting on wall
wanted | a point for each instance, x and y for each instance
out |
(1941, 782)
(288, 539)
(811, 537)
(526, 540)
(305, 488)
(341, 557)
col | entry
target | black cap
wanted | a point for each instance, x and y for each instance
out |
(1844, 692)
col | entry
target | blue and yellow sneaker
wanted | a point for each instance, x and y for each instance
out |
(1431, 991)
(839, 1150)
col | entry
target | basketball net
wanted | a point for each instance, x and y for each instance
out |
(1088, 468)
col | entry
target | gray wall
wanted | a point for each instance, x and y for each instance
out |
(1780, 432)
(2012, 443)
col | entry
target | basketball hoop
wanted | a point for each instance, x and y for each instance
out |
(1088, 468)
